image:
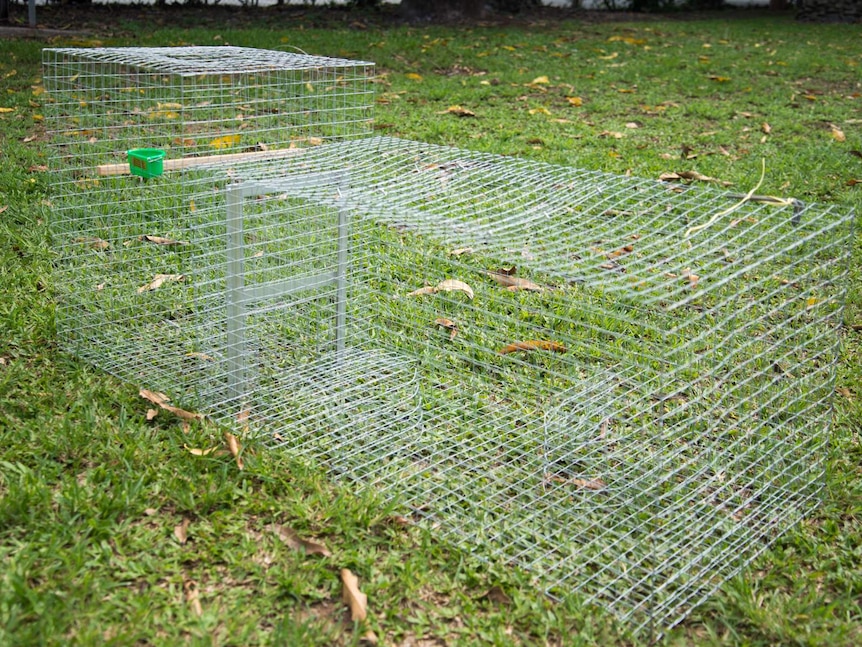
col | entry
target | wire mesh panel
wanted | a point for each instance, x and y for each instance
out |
(621, 384)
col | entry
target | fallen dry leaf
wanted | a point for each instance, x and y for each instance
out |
(152, 413)
(450, 325)
(837, 133)
(691, 176)
(195, 451)
(450, 285)
(575, 101)
(181, 532)
(161, 400)
(355, 599)
(458, 111)
(293, 541)
(589, 484)
(159, 280)
(844, 392)
(765, 128)
(514, 283)
(428, 289)
(854, 182)
(611, 133)
(533, 344)
(461, 251)
(190, 588)
(93, 242)
(150, 512)
(159, 240)
(234, 447)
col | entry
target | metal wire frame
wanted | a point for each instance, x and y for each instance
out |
(681, 431)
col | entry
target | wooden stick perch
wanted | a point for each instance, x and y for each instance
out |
(105, 170)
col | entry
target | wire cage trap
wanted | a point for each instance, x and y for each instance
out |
(620, 384)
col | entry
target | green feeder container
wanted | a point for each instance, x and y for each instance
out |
(146, 162)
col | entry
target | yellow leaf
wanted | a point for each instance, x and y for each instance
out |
(414, 76)
(837, 133)
(540, 80)
(540, 111)
(4, 110)
(575, 101)
(609, 56)
(194, 451)
(450, 285)
(810, 302)
(225, 142)
(508, 48)
(309, 87)
(719, 79)
(458, 111)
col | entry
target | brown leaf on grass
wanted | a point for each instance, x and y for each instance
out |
(355, 599)
(611, 133)
(234, 447)
(765, 128)
(691, 176)
(293, 541)
(589, 484)
(450, 285)
(150, 512)
(837, 133)
(181, 532)
(854, 182)
(497, 595)
(152, 413)
(458, 111)
(844, 392)
(161, 400)
(92, 242)
(450, 325)
(428, 289)
(160, 240)
(190, 588)
(533, 344)
(514, 283)
(3, 208)
(460, 251)
(159, 280)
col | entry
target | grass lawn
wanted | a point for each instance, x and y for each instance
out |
(111, 532)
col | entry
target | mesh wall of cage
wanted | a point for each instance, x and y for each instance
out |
(620, 384)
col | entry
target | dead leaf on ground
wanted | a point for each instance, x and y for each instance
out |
(450, 325)
(181, 532)
(92, 242)
(293, 541)
(152, 413)
(514, 283)
(159, 280)
(460, 251)
(196, 451)
(765, 128)
(611, 133)
(234, 447)
(428, 289)
(160, 240)
(497, 595)
(161, 400)
(589, 484)
(691, 176)
(190, 588)
(854, 182)
(837, 133)
(356, 601)
(458, 111)
(533, 344)
(450, 285)
(844, 392)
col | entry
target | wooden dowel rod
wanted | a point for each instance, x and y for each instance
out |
(105, 170)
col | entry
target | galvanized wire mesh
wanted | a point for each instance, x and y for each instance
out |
(621, 384)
